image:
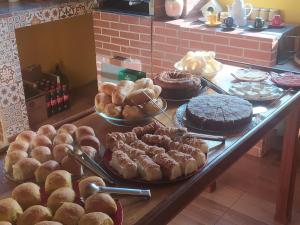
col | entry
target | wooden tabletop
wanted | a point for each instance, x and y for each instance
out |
(169, 200)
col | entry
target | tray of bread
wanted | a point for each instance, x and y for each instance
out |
(201, 63)
(59, 201)
(250, 75)
(33, 155)
(154, 154)
(129, 103)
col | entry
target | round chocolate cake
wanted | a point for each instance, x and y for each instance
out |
(178, 85)
(218, 112)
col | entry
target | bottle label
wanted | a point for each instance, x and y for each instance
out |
(60, 100)
(66, 98)
(53, 102)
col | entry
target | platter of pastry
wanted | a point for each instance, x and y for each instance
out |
(255, 91)
(201, 63)
(33, 155)
(250, 75)
(154, 154)
(59, 201)
(288, 80)
(129, 103)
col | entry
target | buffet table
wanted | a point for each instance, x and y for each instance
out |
(168, 200)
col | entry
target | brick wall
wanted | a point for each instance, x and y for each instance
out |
(123, 35)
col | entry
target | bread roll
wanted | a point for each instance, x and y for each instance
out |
(10, 210)
(47, 130)
(68, 213)
(59, 196)
(90, 151)
(143, 83)
(84, 185)
(27, 194)
(140, 96)
(12, 158)
(48, 223)
(26, 136)
(45, 169)
(18, 146)
(41, 153)
(123, 89)
(41, 140)
(63, 138)
(157, 91)
(61, 151)
(132, 113)
(108, 88)
(67, 128)
(58, 179)
(101, 100)
(72, 166)
(113, 110)
(89, 140)
(24, 168)
(83, 131)
(95, 218)
(151, 108)
(34, 214)
(101, 202)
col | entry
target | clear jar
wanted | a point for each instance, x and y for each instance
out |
(264, 14)
(272, 13)
(255, 13)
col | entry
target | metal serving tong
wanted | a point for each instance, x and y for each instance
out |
(119, 192)
(213, 86)
(205, 136)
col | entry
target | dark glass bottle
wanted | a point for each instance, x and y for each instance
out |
(48, 101)
(53, 102)
(62, 77)
(66, 96)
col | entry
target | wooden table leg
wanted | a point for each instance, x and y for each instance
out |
(287, 173)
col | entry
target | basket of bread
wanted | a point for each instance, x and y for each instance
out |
(129, 103)
(202, 63)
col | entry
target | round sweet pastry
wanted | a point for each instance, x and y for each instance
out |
(153, 108)
(59, 196)
(67, 128)
(132, 113)
(68, 213)
(143, 83)
(63, 138)
(26, 136)
(24, 168)
(18, 146)
(47, 130)
(58, 179)
(108, 88)
(41, 140)
(48, 223)
(41, 153)
(140, 96)
(90, 151)
(84, 130)
(178, 85)
(27, 194)
(60, 151)
(112, 110)
(10, 210)
(101, 100)
(101, 202)
(34, 214)
(12, 158)
(219, 112)
(90, 140)
(84, 185)
(95, 218)
(45, 169)
(72, 166)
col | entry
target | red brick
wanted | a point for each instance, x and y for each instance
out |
(144, 60)
(119, 26)
(98, 44)
(158, 38)
(164, 47)
(221, 56)
(110, 32)
(201, 46)
(110, 16)
(254, 54)
(172, 41)
(96, 15)
(157, 54)
(140, 29)
(130, 19)
(145, 52)
(165, 31)
(146, 68)
(102, 38)
(191, 36)
(101, 24)
(244, 43)
(172, 57)
(184, 43)
(122, 54)
(128, 35)
(119, 41)
(145, 37)
(158, 24)
(156, 62)
(215, 39)
(157, 69)
(111, 47)
(145, 21)
(129, 50)
(103, 51)
(97, 30)
(139, 44)
(265, 46)
(229, 50)
(168, 65)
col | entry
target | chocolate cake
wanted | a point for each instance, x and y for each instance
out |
(219, 112)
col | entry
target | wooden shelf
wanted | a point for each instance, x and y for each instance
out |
(82, 103)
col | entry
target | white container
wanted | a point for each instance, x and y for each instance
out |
(174, 8)
(239, 12)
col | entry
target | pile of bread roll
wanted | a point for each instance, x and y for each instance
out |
(122, 100)
(36, 154)
(27, 205)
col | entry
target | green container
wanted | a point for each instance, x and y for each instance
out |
(129, 74)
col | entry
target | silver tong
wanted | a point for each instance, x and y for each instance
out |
(119, 192)
(204, 136)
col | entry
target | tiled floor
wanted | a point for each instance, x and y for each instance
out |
(245, 195)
